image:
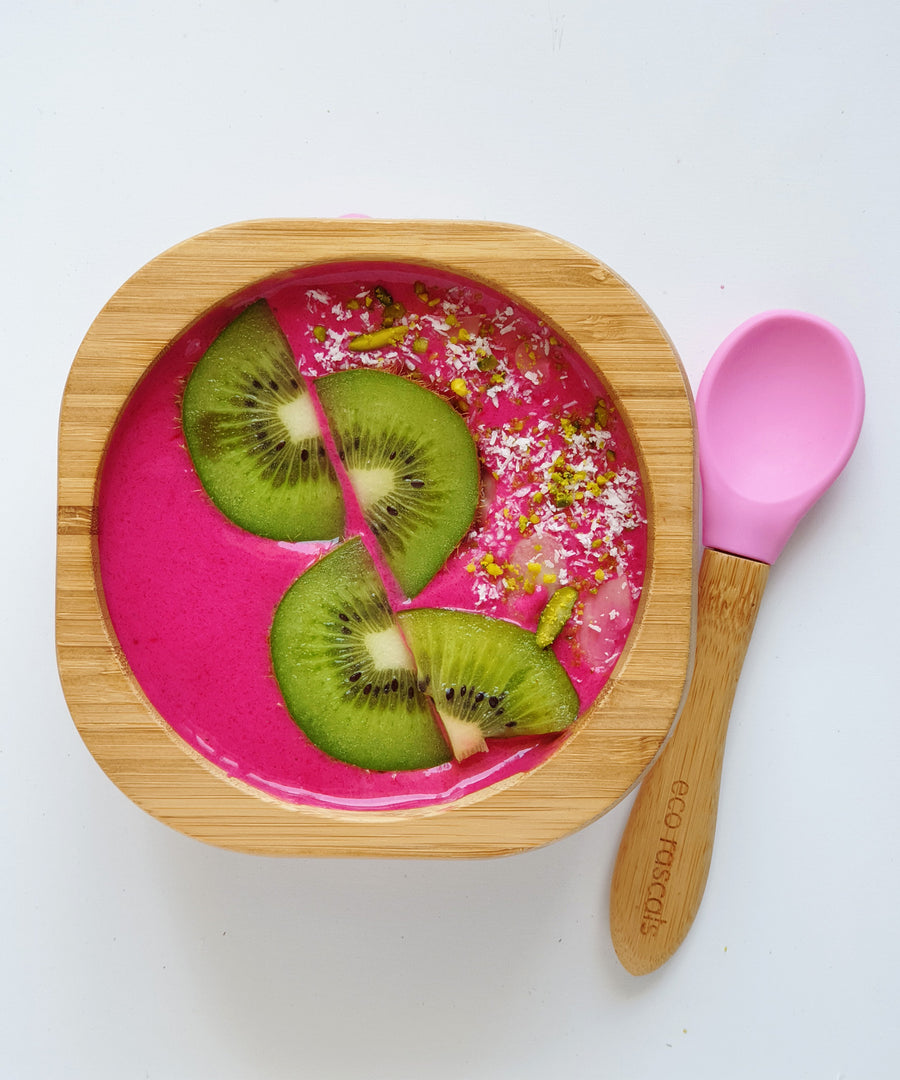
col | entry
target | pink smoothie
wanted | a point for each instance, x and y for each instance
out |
(191, 596)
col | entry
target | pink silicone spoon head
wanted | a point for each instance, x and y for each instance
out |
(779, 410)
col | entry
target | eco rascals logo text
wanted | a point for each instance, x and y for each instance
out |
(655, 897)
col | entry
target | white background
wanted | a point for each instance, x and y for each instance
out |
(724, 159)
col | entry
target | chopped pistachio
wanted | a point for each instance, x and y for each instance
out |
(378, 339)
(555, 615)
(393, 313)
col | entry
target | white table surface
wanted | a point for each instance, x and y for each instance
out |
(724, 159)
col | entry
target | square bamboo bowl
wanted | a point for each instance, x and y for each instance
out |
(611, 745)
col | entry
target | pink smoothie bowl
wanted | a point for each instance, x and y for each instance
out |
(163, 607)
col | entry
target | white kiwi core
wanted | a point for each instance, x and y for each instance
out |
(299, 417)
(465, 738)
(389, 651)
(371, 485)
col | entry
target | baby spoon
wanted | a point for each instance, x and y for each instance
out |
(779, 411)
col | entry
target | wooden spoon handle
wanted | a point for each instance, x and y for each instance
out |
(665, 853)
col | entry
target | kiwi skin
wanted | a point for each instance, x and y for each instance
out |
(412, 463)
(347, 679)
(253, 437)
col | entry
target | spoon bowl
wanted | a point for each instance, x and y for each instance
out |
(779, 410)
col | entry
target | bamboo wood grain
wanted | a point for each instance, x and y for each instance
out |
(664, 858)
(611, 745)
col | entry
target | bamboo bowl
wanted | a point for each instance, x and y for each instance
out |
(609, 748)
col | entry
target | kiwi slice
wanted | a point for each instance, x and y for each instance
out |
(487, 677)
(412, 463)
(253, 435)
(345, 672)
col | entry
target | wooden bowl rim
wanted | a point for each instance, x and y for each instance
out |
(619, 736)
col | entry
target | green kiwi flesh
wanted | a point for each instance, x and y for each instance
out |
(412, 464)
(346, 676)
(253, 436)
(487, 677)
